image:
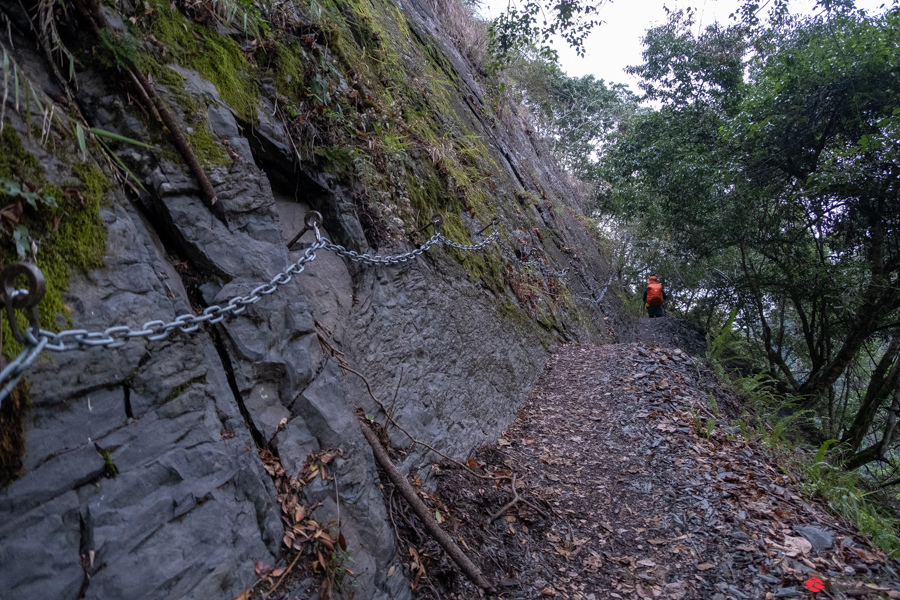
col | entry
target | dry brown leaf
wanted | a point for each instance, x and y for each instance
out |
(262, 569)
(797, 546)
(593, 563)
(705, 566)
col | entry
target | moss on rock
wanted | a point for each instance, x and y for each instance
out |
(217, 58)
(69, 236)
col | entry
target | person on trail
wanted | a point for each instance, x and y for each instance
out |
(654, 298)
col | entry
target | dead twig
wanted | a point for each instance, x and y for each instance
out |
(409, 435)
(283, 575)
(145, 99)
(412, 498)
(206, 188)
(509, 504)
(390, 413)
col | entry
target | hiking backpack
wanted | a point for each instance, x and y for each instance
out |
(654, 294)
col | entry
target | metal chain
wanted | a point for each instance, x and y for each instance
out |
(545, 270)
(382, 260)
(37, 340)
(16, 369)
(602, 293)
(495, 235)
(551, 273)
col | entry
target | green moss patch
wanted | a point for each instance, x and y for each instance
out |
(69, 236)
(217, 58)
(207, 148)
(288, 70)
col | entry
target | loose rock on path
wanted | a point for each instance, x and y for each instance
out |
(622, 493)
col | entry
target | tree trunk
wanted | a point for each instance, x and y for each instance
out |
(881, 299)
(879, 387)
(775, 359)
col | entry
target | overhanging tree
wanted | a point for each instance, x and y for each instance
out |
(792, 174)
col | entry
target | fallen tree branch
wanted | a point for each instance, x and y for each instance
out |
(412, 498)
(90, 10)
(516, 499)
(206, 188)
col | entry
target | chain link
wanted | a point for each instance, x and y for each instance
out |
(38, 340)
(548, 272)
(16, 369)
(599, 298)
(495, 235)
(382, 260)
(115, 337)
(118, 336)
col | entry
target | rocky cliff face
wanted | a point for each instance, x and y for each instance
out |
(162, 469)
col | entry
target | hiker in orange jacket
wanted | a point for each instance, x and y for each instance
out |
(654, 297)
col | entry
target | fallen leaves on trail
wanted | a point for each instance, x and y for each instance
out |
(302, 534)
(640, 498)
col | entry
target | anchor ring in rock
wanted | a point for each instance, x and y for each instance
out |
(435, 222)
(18, 298)
(312, 220)
(493, 223)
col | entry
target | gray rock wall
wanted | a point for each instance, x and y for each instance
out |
(142, 476)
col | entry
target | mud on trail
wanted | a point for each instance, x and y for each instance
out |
(620, 493)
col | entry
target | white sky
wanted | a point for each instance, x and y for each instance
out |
(616, 44)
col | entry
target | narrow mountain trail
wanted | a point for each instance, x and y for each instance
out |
(620, 492)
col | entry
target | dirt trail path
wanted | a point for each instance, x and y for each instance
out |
(623, 495)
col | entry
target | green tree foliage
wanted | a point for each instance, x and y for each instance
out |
(534, 23)
(681, 68)
(772, 167)
(574, 115)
